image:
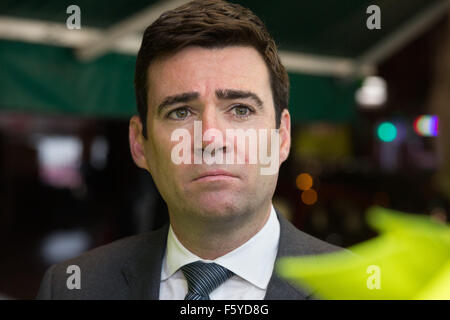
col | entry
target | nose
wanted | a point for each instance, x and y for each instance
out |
(213, 129)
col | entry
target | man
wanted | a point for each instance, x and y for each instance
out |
(203, 69)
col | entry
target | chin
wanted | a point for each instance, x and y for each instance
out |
(219, 206)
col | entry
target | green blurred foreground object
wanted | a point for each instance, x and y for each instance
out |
(410, 259)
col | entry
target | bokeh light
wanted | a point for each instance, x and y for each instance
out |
(304, 181)
(387, 132)
(309, 196)
(372, 94)
(426, 125)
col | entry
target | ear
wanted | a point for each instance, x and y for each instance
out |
(137, 142)
(285, 135)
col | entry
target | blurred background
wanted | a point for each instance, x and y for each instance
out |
(370, 104)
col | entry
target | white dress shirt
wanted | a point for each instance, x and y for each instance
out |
(252, 264)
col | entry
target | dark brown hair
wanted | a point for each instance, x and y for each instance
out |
(208, 24)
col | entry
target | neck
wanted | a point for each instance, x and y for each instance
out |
(213, 238)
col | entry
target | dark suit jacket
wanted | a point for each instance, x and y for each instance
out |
(130, 268)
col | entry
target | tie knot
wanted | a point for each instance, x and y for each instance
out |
(203, 278)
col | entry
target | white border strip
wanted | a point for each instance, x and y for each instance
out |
(321, 65)
(57, 34)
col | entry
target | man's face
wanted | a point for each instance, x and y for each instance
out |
(225, 88)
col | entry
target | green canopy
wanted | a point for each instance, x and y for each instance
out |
(39, 77)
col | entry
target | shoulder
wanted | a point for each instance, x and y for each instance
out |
(113, 254)
(101, 269)
(294, 242)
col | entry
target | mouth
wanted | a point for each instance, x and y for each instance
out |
(215, 175)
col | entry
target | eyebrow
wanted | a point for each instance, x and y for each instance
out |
(224, 94)
(178, 98)
(230, 94)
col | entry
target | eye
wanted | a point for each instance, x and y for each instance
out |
(179, 114)
(242, 111)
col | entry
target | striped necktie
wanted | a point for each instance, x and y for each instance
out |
(203, 278)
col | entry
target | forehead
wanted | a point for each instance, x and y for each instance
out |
(206, 70)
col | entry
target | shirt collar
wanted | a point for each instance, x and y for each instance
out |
(253, 261)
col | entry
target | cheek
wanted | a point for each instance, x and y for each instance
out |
(159, 149)
(155, 152)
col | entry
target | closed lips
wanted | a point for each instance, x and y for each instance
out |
(215, 173)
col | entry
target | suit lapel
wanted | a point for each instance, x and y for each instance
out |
(291, 244)
(143, 271)
(280, 289)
